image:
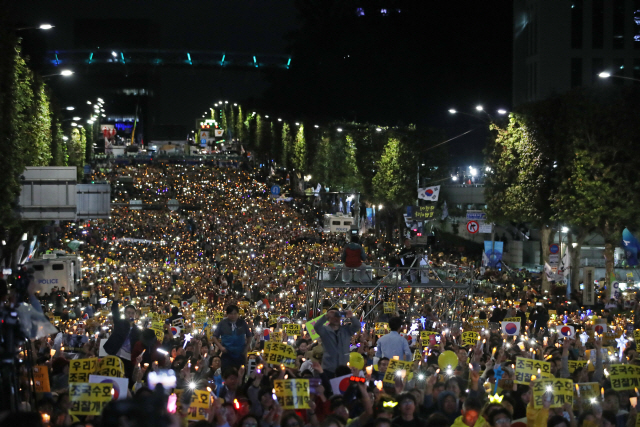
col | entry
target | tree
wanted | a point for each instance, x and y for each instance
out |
(287, 145)
(299, 154)
(59, 155)
(599, 187)
(36, 137)
(520, 179)
(77, 149)
(393, 182)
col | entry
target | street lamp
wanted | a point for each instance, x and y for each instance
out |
(65, 73)
(41, 27)
(606, 75)
(70, 108)
(502, 111)
(479, 108)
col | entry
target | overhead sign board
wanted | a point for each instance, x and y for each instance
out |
(476, 215)
(93, 201)
(48, 193)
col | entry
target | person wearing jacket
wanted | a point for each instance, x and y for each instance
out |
(335, 339)
(470, 414)
(352, 255)
(124, 336)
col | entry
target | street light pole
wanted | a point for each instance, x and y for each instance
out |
(606, 75)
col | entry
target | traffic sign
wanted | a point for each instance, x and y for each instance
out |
(275, 190)
(486, 228)
(473, 227)
(554, 248)
(476, 215)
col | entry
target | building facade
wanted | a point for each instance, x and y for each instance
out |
(562, 44)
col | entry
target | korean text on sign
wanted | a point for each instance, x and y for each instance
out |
(469, 338)
(389, 307)
(394, 367)
(110, 366)
(624, 377)
(276, 354)
(292, 329)
(292, 394)
(575, 364)
(79, 370)
(425, 337)
(527, 367)
(477, 325)
(558, 390)
(587, 392)
(89, 398)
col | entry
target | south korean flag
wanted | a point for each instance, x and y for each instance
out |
(429, 193)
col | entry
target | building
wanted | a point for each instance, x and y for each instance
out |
(562, 44)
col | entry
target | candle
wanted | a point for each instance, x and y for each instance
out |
(369, 370)
(46, 418)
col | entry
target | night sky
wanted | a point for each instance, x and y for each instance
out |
(409, 66)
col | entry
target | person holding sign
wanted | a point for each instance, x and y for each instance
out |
(335, 339)
(393, 344)
(233, 337)
(125, 333)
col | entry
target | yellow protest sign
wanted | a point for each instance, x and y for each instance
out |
(110, 366)
(104, 313)
(80, 369)
(41, 379)
(512, 319)
(624, 377)
(276, 336)
(273, 319)
(558, 390)
(488, 300)
(575, 364)
(477, 325)
(292, 329)
(417, 355)
(204, 301)
(588, 393)
(158, 328)
(381, 328)
(197, 407)
(425, 337)
(311, 327)
(175, 302)
(609, 338)
(527, 367)
(276, 354)
(89, 398)
(389, 307)
(469, 338)
(218, 316)
(292, 394)
(395, 369)
(636, 336)
(85, 294)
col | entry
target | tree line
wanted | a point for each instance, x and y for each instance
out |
(381, 163)
(31, 132)
(570, 160)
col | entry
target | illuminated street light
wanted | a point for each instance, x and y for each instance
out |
(606, 75)
(45, 26)
(74, 124)
(339, 129)
(70, 108)
(479, 107)
(77, 118)
(66, 73)
(452, 111)
(502, 111)
(378, 130)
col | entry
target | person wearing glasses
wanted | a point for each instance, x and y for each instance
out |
(407, 403)
(500, 418)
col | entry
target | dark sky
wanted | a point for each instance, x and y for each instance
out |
(408, 67)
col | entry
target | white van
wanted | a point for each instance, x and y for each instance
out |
(56, 270)
(338, 223)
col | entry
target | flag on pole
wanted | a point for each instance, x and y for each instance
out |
(429, 193)
(631, 247)
(565, 263)
(445, 211)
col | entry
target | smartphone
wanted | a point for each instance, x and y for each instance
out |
(164, 377)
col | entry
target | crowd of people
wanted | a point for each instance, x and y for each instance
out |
(201, 314)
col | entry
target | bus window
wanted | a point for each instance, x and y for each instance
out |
(57, 266)
(38, 267)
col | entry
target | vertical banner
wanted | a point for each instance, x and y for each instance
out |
(495, 259)
(588, 294)
(41, 379)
